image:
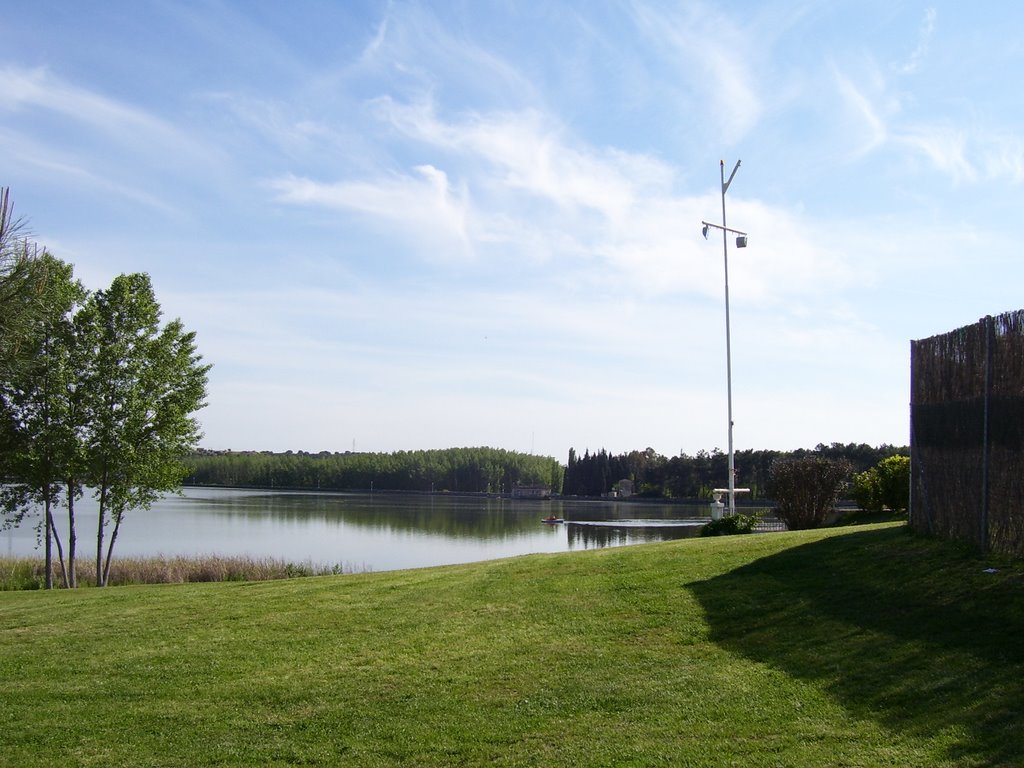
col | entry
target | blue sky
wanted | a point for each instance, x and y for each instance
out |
(401, 225)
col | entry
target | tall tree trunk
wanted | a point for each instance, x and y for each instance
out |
(99, 532)
(110, 547)
(72, 540)
(48, 459)
(48, 524)
(60, 551)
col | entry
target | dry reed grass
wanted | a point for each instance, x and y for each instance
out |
(29, 573)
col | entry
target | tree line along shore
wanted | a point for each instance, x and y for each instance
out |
(493, 470)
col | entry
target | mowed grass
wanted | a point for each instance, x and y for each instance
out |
(847, 647)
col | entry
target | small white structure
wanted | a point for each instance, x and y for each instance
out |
(531, 491)
(718, 506)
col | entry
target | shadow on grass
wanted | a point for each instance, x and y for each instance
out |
(904, 630)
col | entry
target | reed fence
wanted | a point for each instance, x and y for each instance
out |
(967, 434)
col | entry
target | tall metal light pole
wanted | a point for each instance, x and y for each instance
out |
(741, 242)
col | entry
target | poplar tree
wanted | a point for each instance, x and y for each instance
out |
(40, 435)
(142, 385)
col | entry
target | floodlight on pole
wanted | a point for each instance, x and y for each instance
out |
(741, 242)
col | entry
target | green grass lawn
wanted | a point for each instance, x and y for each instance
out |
(847, 647)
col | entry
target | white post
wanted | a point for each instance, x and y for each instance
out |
(728, 337)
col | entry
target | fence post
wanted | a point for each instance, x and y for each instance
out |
(913, 464)
(989, 326)
(917, 501)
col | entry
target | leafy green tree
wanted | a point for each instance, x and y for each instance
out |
(805, 489)
(40, 434)
(142, 384)
(884, 486)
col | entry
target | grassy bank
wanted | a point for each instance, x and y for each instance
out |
(857, 647)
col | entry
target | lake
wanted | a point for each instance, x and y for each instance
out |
(368, 532)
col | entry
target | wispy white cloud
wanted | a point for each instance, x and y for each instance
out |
(68, 169)
(97, 143)
(532, 154)
(945, 148)
(962, 150)
(1003, 158)
(278, 122)
(28, 89)
(886, 112)
(600, 219)
(415, 52)
(711, 55)
(422, 206)
(377, 41)
(913, 62)
(863, 116)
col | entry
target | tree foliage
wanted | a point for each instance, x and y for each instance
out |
(693, 477)
(805, 489)
(23, 277)
(143, 383)
(101, 396)
(464, 470)
(37, 402)
(483, 470)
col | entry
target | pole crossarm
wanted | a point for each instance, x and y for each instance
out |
(727, 229)
(725, 184)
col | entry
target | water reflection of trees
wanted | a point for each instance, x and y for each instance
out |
(591, 524)
(583, 536)
(481, 517)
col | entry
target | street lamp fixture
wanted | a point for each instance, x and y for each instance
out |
(741, 242)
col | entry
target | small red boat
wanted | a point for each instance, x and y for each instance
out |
(553, 520)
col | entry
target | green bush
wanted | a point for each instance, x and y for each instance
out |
(21, 573)
(730, 525)
(884, 486)
(805, 489)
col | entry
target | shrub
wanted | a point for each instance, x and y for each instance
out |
(805, 489)
(884, 486)
(22, 573)
(729, 525)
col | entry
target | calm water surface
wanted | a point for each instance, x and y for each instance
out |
(377, 532)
